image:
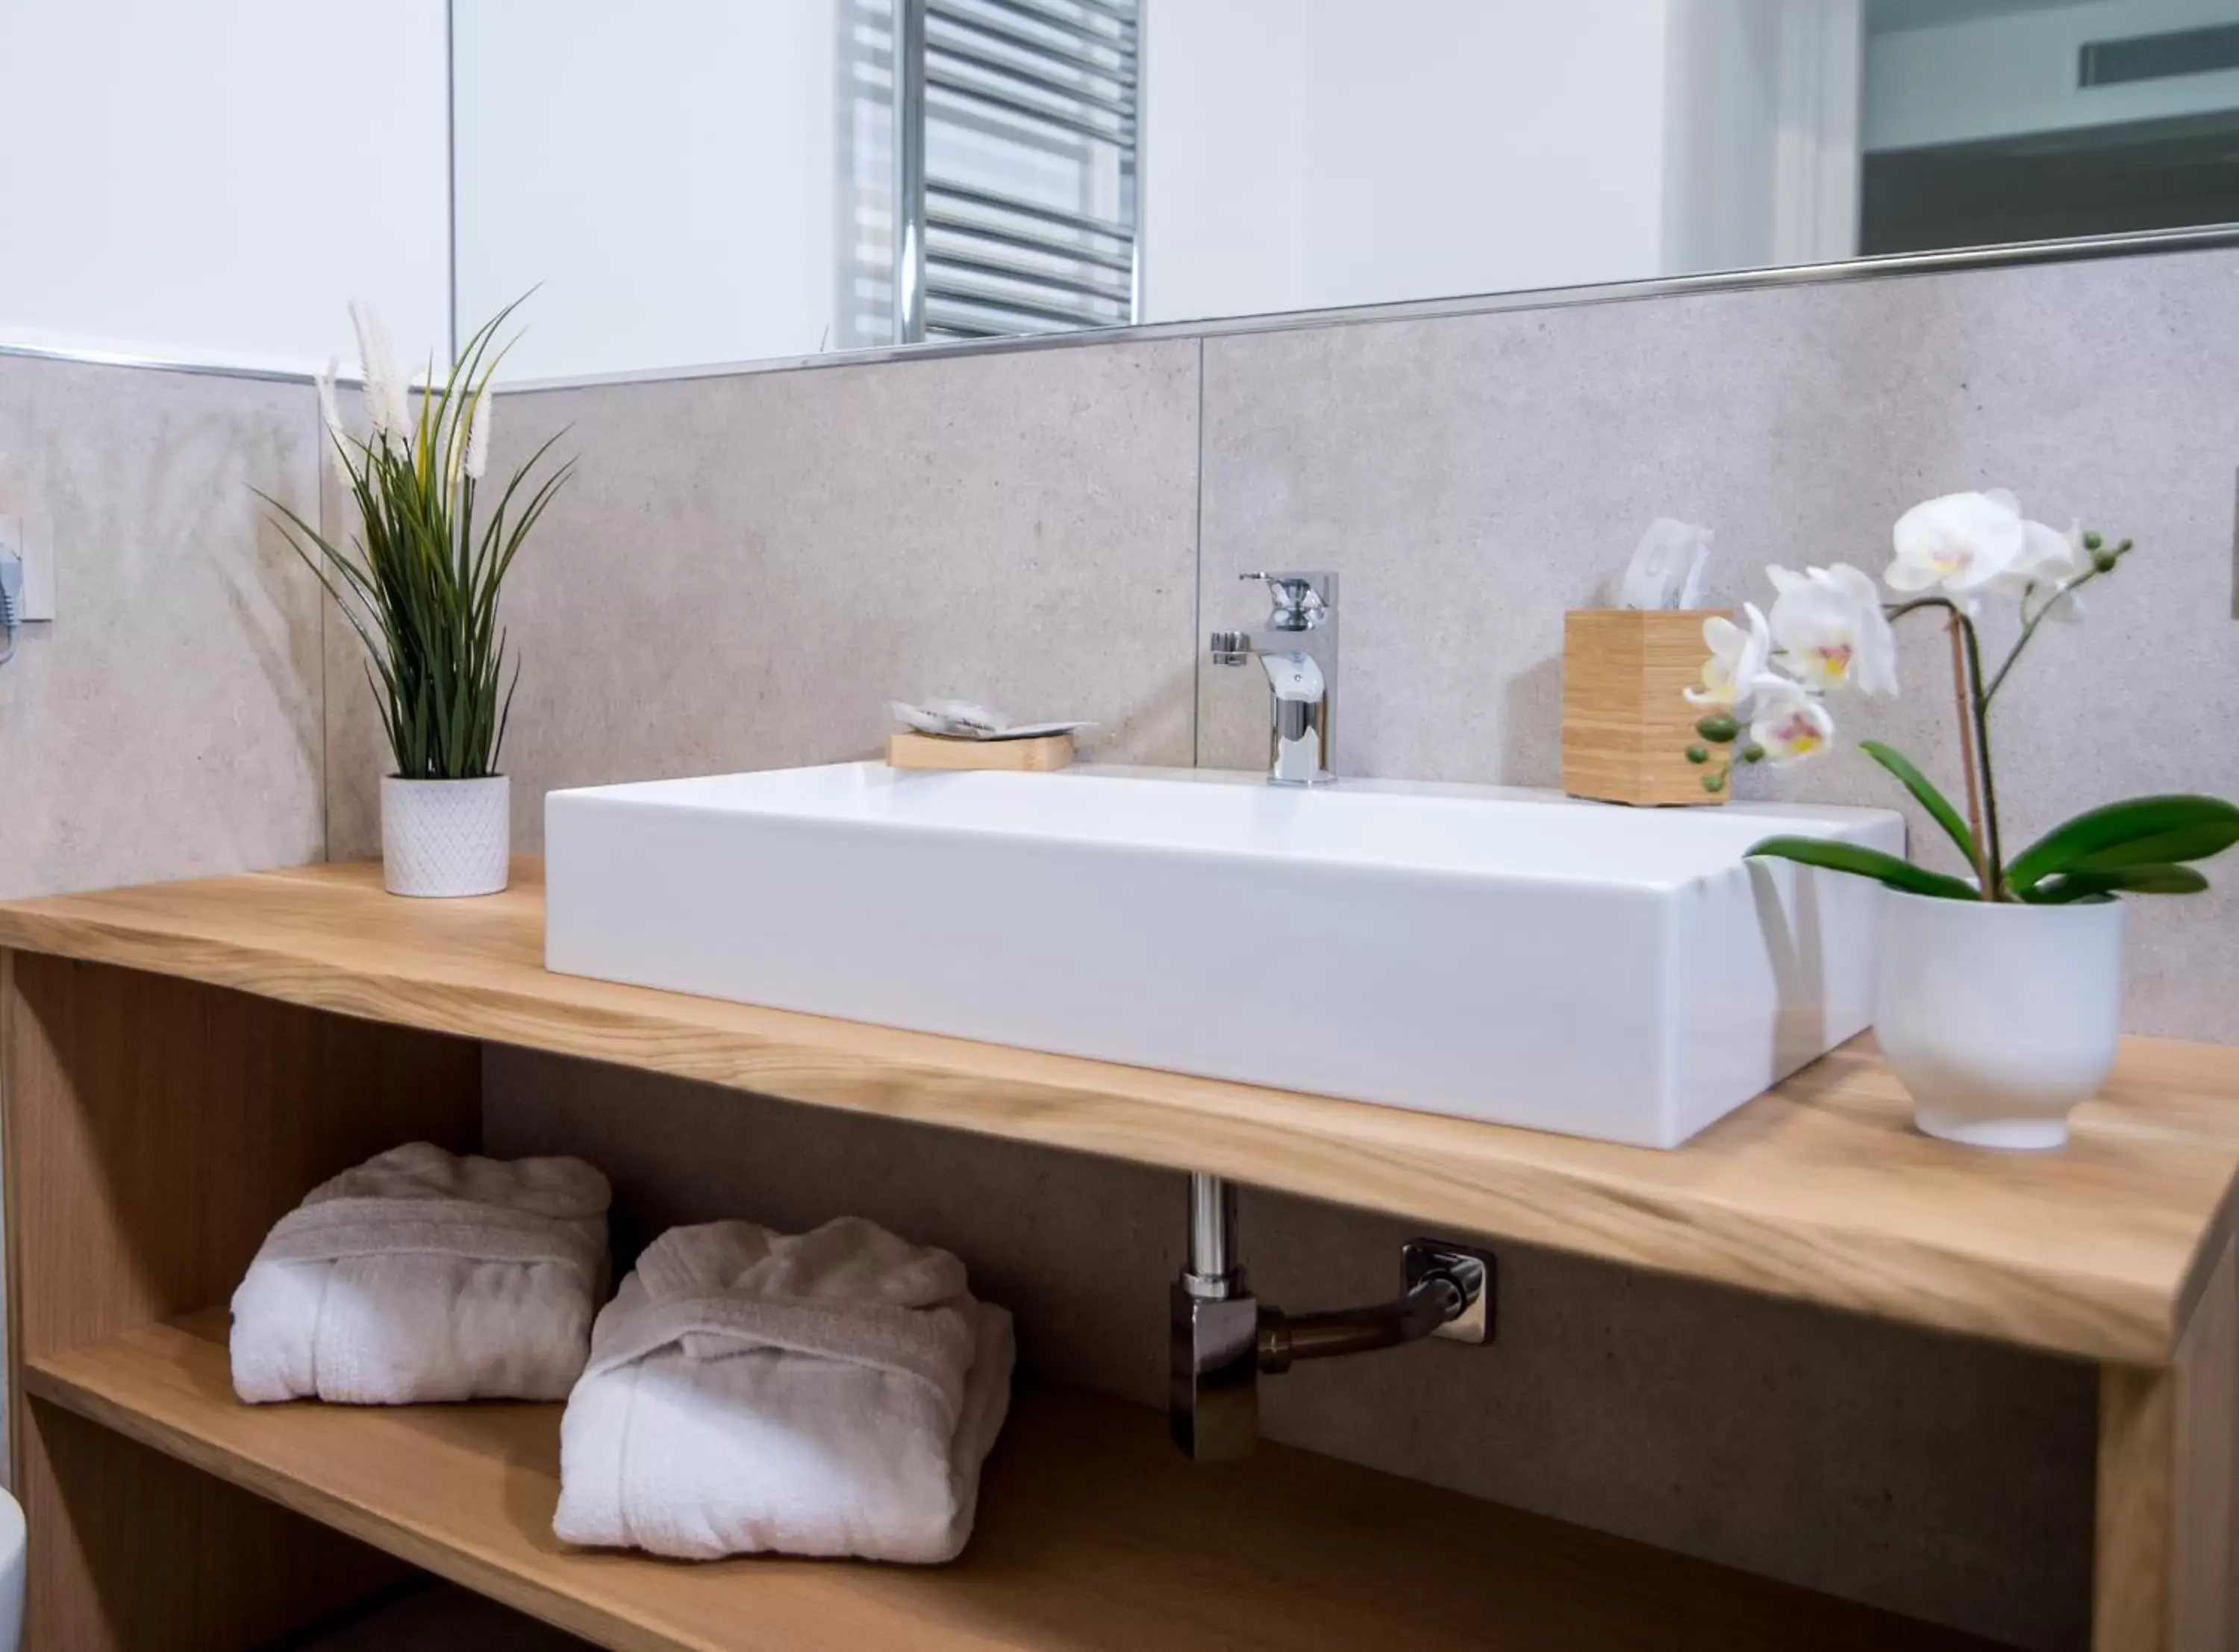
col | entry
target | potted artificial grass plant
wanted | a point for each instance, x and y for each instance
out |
(420, 582)
(1998, 998)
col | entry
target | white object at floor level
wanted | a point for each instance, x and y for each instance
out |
(831, 1393)
(12, 1573)
(421, 1276)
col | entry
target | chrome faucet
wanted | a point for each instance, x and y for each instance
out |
(1298, 647)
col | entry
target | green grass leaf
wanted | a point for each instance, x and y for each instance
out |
(420, 584)
(1856, 859)
(1925, 793)
(2102, 832)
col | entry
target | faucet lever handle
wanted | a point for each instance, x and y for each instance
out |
(1302, 600)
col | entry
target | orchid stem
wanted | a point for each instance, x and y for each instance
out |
(1960, 688)
(1973, 708)
(1993, 851)
(2031, 621)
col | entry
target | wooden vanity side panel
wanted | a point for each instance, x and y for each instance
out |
(154, 1131)
(2168, 1568)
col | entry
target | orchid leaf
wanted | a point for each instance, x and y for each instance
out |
(2103, 832)
(1861, 861)
(2144, 879)
(2185, 843)
(1925, 793)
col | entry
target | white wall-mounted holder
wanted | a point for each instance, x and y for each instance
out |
(32, 539)
(12, 601)
(27, 577)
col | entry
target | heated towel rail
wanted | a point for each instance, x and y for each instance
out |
(1017, 128)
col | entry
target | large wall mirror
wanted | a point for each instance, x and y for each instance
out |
(693, 182)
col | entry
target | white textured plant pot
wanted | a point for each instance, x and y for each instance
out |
(445, 837)
(1998, 1018)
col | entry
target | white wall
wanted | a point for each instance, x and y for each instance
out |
(1995, 77)
(666, 172)
(1306, 153)
(214, 180)
(1303, 153)
(1224, 100)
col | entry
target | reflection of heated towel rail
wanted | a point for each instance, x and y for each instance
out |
(1017, 132)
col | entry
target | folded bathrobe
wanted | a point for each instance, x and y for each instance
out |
(421, 1276)
(826, 1393)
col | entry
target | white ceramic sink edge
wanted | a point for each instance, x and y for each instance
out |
(1513, 956)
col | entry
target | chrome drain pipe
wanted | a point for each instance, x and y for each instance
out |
(1222, 1338)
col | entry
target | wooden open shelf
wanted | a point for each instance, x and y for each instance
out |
(179, 1063)
(1093, 1533)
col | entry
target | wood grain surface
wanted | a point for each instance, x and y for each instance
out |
(2167, 1565)
(1819, 1190)
(1094, 1536)
(156, 1129)
(1626, 721)
(1037, 754)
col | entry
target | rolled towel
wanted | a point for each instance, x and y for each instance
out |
(423, 1276)
(828, 1393)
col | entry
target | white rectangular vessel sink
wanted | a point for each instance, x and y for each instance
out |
(1511, 956)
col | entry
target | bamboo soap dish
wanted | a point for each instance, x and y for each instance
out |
(1626, 720)
(1037, 754)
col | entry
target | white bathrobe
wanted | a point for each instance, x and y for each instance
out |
(830, 1393)
(421, 1276)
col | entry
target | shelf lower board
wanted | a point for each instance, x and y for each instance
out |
(1093, 1533)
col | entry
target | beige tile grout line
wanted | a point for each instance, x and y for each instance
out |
(1196, 583)
(326, 755)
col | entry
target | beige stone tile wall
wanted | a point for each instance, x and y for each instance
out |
(169, 722)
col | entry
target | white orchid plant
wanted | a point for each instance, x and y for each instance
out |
(1765, 687)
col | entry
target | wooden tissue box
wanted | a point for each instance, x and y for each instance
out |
(1037, 754)
(1626, 720)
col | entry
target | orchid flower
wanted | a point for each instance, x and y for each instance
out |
(1957, 543)
(1830, 632)
(1789, 723)
(2049, 560)
(1737, 658)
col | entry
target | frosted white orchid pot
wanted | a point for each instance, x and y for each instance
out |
(1999, 996)
(420, 583)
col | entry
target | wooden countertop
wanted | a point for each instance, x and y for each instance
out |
(1819, 1190)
